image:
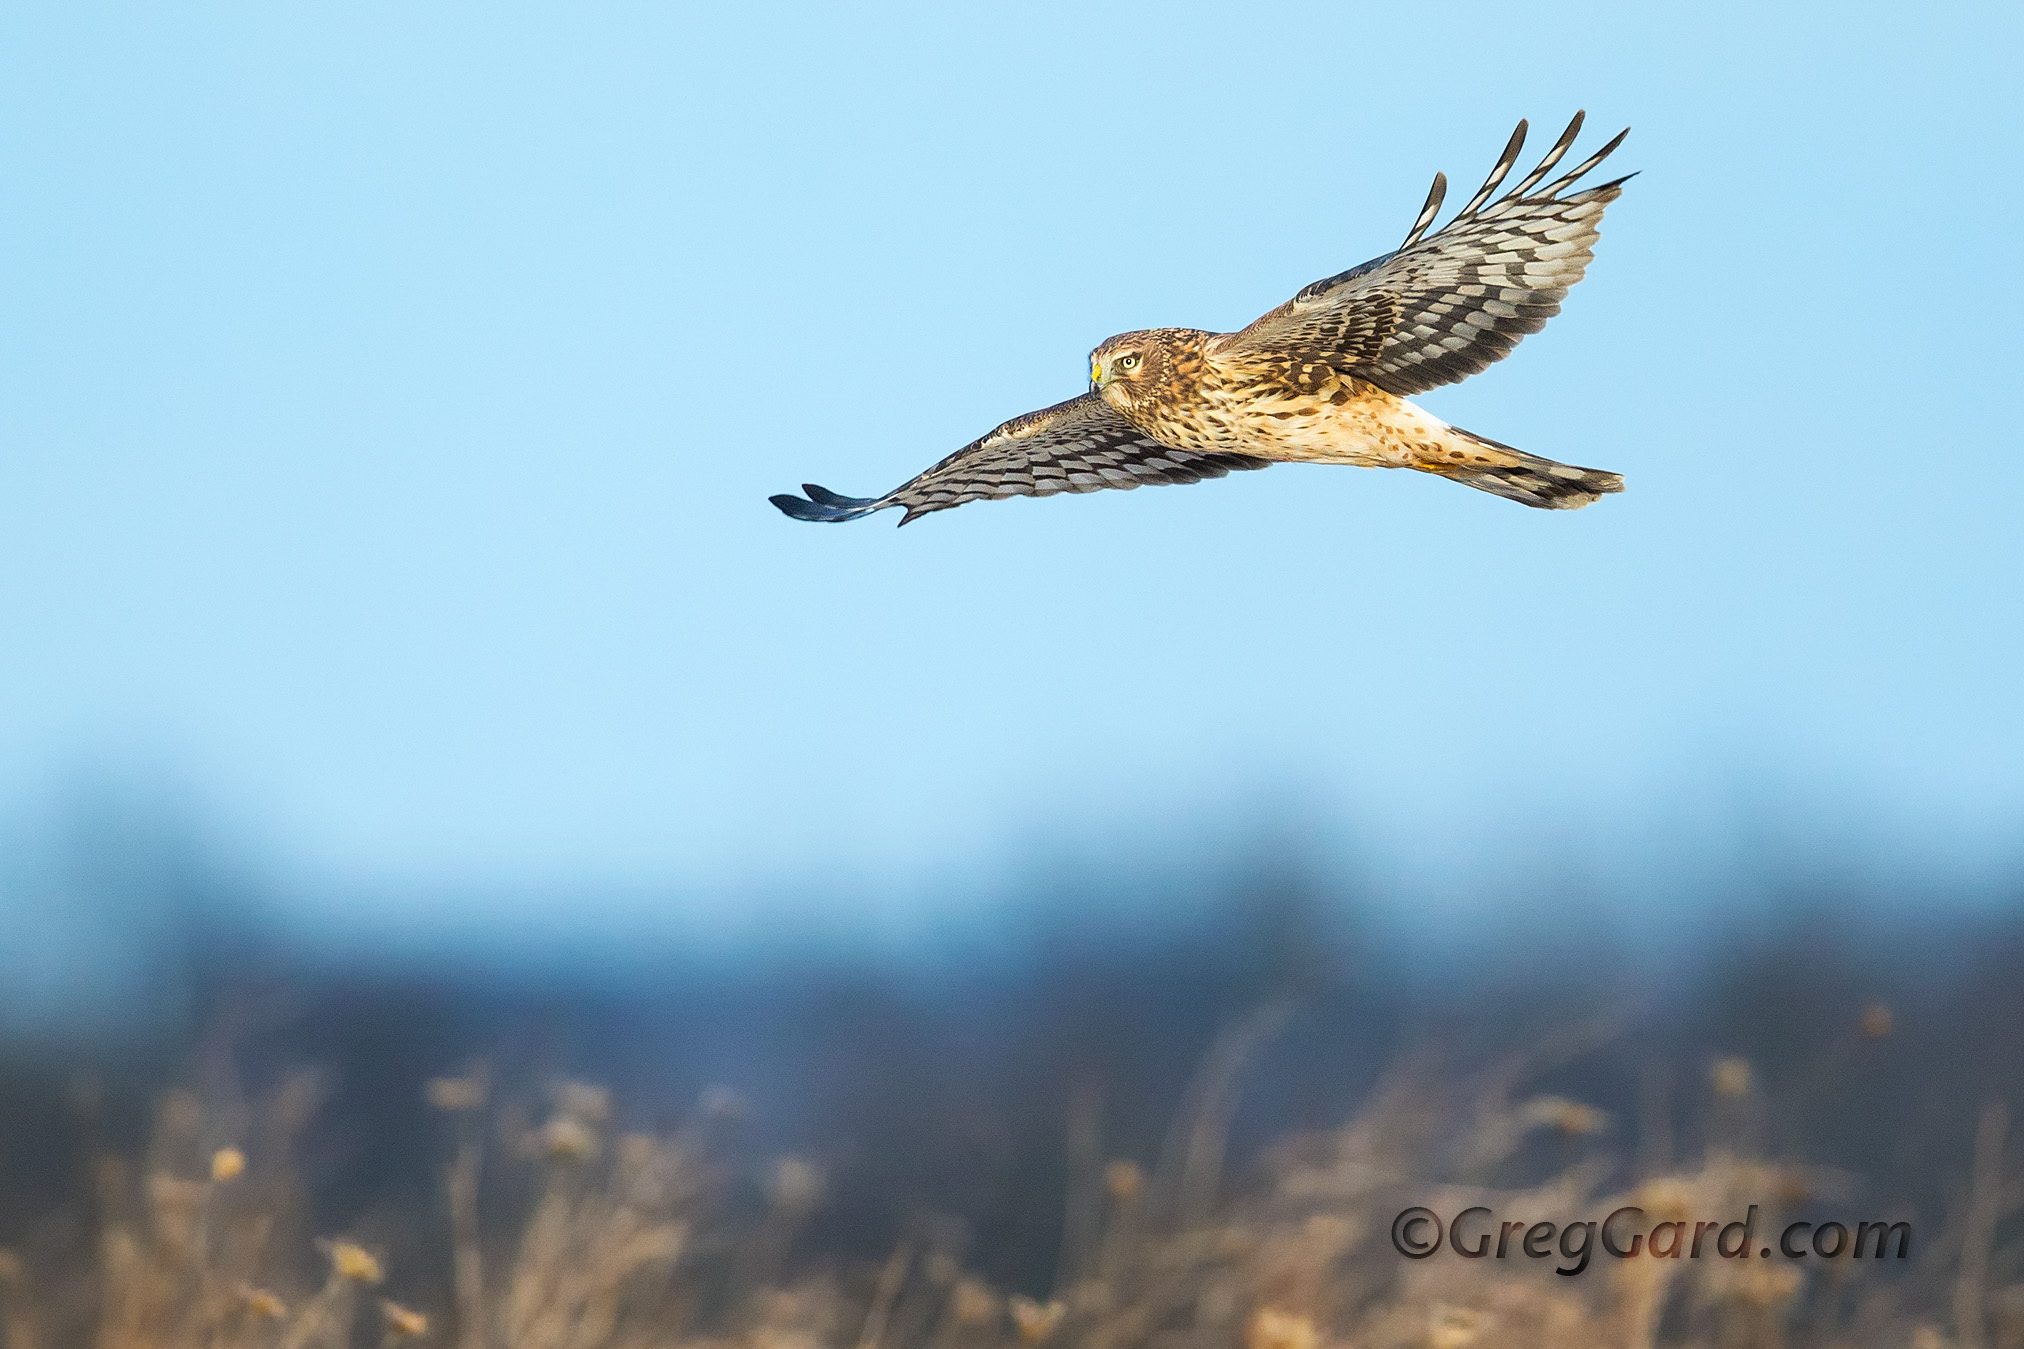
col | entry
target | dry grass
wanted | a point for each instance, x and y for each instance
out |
(564, 1233)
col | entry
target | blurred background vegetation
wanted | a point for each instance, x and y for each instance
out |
(973, 1099)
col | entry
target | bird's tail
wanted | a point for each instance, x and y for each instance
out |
(1489, 466)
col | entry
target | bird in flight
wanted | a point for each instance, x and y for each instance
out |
(1324, 378)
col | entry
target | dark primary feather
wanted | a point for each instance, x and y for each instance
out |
(1077, 446)
(1435, 196)
(824, 504)
(1450, 304)
(1512, 149)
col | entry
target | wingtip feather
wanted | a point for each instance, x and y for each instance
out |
(1553, 156)
(1435, 195)
(823, 505)
(1574, 175)
(1505, 159)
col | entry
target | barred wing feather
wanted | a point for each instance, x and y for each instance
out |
(1446, 305)
(1077, 446)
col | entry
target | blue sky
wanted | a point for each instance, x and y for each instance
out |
(390, 395)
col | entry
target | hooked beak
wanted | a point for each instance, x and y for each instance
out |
(1096, 374)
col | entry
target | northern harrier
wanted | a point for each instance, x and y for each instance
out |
(1321, 379)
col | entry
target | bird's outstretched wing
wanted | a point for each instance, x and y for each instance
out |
(1447, 305)
(1077, 446)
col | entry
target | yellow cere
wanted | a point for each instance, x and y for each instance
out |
(1095, 371)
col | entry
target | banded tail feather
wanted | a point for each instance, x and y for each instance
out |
(1526, 478)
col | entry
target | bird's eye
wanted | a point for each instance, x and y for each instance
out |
(1127, 362)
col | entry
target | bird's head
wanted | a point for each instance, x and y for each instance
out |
(1125, 368)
